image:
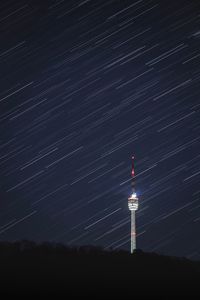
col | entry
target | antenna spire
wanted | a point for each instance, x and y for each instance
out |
(132, 171)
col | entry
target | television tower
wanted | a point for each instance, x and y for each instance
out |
(133, 206)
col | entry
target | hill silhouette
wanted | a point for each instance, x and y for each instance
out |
(27, 267)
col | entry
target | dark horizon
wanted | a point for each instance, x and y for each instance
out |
(84, 86)
(47, 268)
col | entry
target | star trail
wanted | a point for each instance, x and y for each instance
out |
(84, 86)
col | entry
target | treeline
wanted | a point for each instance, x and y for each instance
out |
(29, 267)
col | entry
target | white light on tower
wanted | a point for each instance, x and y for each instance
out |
(133, 206)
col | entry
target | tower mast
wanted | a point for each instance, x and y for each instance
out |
(133, 206)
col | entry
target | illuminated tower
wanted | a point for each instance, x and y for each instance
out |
(133, 206)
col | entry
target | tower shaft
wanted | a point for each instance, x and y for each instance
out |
(133, 231)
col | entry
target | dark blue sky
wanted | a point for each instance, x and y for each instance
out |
(84, 85)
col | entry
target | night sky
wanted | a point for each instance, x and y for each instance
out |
(84, 86)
